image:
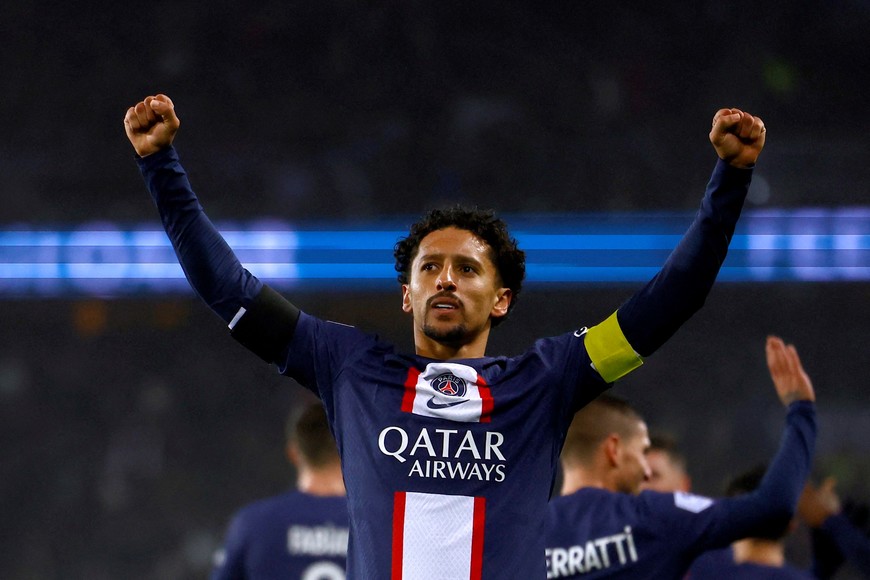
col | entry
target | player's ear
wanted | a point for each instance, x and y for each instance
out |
(611, 448)
(406, 299)
(292, 453)
(503, 298)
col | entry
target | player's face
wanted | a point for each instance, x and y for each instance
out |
(665, 475)
(634, 469)
(454, 288)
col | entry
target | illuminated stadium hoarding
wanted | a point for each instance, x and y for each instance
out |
(108, 260)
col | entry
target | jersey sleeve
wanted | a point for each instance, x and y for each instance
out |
(562, 362)
(847, 543)
(258, 317)
(230, 560)
(653, 314)
(209, 264)
(703, 524)
(711, 564)
(318, 353)
(827, 557)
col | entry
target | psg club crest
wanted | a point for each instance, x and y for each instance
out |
(450, 385)
(446, 390)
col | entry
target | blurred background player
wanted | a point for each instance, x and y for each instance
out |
(299, 534)
(757, 557)
(835, 538)
(604, 527)
(835, 541)
(667, 466)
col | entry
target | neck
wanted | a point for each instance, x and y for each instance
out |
(575, 478)
(758, 551)
(431, 348)
(323, 481)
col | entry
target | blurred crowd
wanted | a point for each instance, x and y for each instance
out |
(394, 106)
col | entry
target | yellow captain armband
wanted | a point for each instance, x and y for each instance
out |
(609, 350)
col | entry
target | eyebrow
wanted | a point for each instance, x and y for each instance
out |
(461, 258)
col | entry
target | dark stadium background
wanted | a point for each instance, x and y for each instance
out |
(133, 427)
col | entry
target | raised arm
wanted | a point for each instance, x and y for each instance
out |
(776, 498)
(785, 478)
(652, 315)
(209, 264)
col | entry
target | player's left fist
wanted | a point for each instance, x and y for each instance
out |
(738, 137)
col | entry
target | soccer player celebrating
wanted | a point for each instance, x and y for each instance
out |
(603, 526)
(449, 455)
(301, 533)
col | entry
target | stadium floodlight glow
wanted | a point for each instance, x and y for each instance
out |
(109, 260)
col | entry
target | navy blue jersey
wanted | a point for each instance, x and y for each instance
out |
(443, 458)
(837, 541)
(719, 564)
(448, 465)
(596, 533)
(293, 535)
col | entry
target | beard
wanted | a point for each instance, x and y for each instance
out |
(452, 336)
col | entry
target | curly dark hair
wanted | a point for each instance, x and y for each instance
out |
(510, 261)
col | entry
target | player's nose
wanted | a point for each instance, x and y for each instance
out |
(647, 471)
(446, 279)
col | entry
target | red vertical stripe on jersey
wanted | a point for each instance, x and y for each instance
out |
(410, 390)
(398, 534)
(486, 402)
(477, 538)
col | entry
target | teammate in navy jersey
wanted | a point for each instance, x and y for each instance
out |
(603, 526)
(300, 534)
(760, 556)
(449, 455)
(835, 539)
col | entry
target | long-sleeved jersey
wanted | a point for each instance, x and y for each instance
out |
(837, 541)
(448, 464)
(292, 535)
(595, 533)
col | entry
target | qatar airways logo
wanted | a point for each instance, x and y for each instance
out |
(446, 453)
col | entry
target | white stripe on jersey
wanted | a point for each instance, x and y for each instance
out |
(441, 536)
